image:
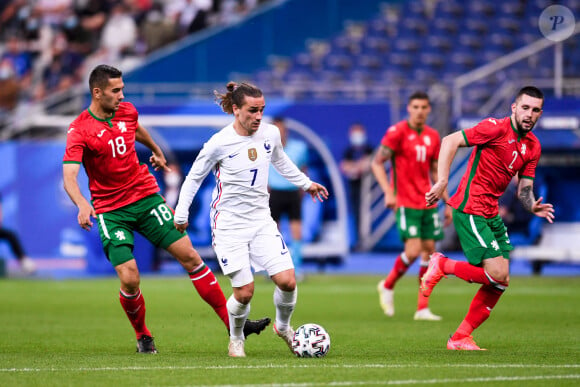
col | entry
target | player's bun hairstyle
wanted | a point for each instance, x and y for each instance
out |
(235, 95)
(101, 74)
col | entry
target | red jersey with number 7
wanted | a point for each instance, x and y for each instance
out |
(499, 154)
(106, 148)
(413, 153)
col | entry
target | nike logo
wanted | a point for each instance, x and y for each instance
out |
(213, 282)
(134, 311)
(511, 141)
(234, 155)
(284, 252)
(102, 132)
(70, 130)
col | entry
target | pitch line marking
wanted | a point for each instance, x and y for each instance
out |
(411, 381)
(275, 366)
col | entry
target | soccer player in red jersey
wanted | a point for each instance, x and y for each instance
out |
(412, 147)
(125, 199)
(504, 148)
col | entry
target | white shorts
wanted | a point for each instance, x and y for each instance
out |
(260, 247)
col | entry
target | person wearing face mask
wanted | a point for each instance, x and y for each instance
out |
(356, 163)
(412, 148)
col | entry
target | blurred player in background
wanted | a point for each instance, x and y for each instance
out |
(244, 234)
(27, 265)
(412, 147)
(356, 164)
(125, 199)
(285, 197)
(504, 148)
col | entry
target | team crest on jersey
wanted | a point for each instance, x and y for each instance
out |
(252, 154)
(122, 126)
(267, 145)
(427, 140)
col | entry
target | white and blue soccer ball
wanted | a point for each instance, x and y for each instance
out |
(311, 340)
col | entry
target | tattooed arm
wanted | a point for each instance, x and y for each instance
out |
(536, 207)
(382, 155)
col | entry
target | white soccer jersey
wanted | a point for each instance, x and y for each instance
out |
(240, 165)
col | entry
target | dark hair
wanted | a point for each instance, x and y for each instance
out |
(101, 74)
(419, 95)
(235, 95)
(532, 91)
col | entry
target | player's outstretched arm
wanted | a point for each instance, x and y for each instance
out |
(317, 191)
(449, 146)
(530, 203)
(157, 158)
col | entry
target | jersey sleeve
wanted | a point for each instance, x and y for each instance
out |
(392, 137)
(483, 132)
(286, 167)
(528, 170)
(201, 167)
(75, 145)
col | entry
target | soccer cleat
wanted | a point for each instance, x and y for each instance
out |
(255, 326)
(432, 276)
(287, 336)
(386, 298)
(425, 314)
(464, 344)
(145, 344)
(236, 348)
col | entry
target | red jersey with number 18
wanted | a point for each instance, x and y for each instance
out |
(106, 148)
(499, 154)
(413, 153)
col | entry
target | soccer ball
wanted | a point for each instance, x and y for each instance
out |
(311, 340)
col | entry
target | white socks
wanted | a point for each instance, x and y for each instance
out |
(285, 303)
(238, 313)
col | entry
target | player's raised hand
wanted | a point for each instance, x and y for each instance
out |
(317, 191)
(543, 210)
(158, 161)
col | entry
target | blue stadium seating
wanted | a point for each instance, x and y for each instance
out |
(408, 44)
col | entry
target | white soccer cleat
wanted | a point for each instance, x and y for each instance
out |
(236, 348)
(386, 298)
(426, 315)
(287, 336)
(28, 266)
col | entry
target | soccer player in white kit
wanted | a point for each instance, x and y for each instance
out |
(243, 231)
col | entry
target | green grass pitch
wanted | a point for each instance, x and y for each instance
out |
(74, 333)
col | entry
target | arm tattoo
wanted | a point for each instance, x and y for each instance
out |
(386, 153)
(527, 197)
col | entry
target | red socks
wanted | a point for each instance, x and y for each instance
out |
(479, 310)
(398, 270)
(210, 291)
(465, 271)
(134, 307)
(422, 301)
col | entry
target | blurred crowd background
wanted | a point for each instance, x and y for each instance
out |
(338, 71)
